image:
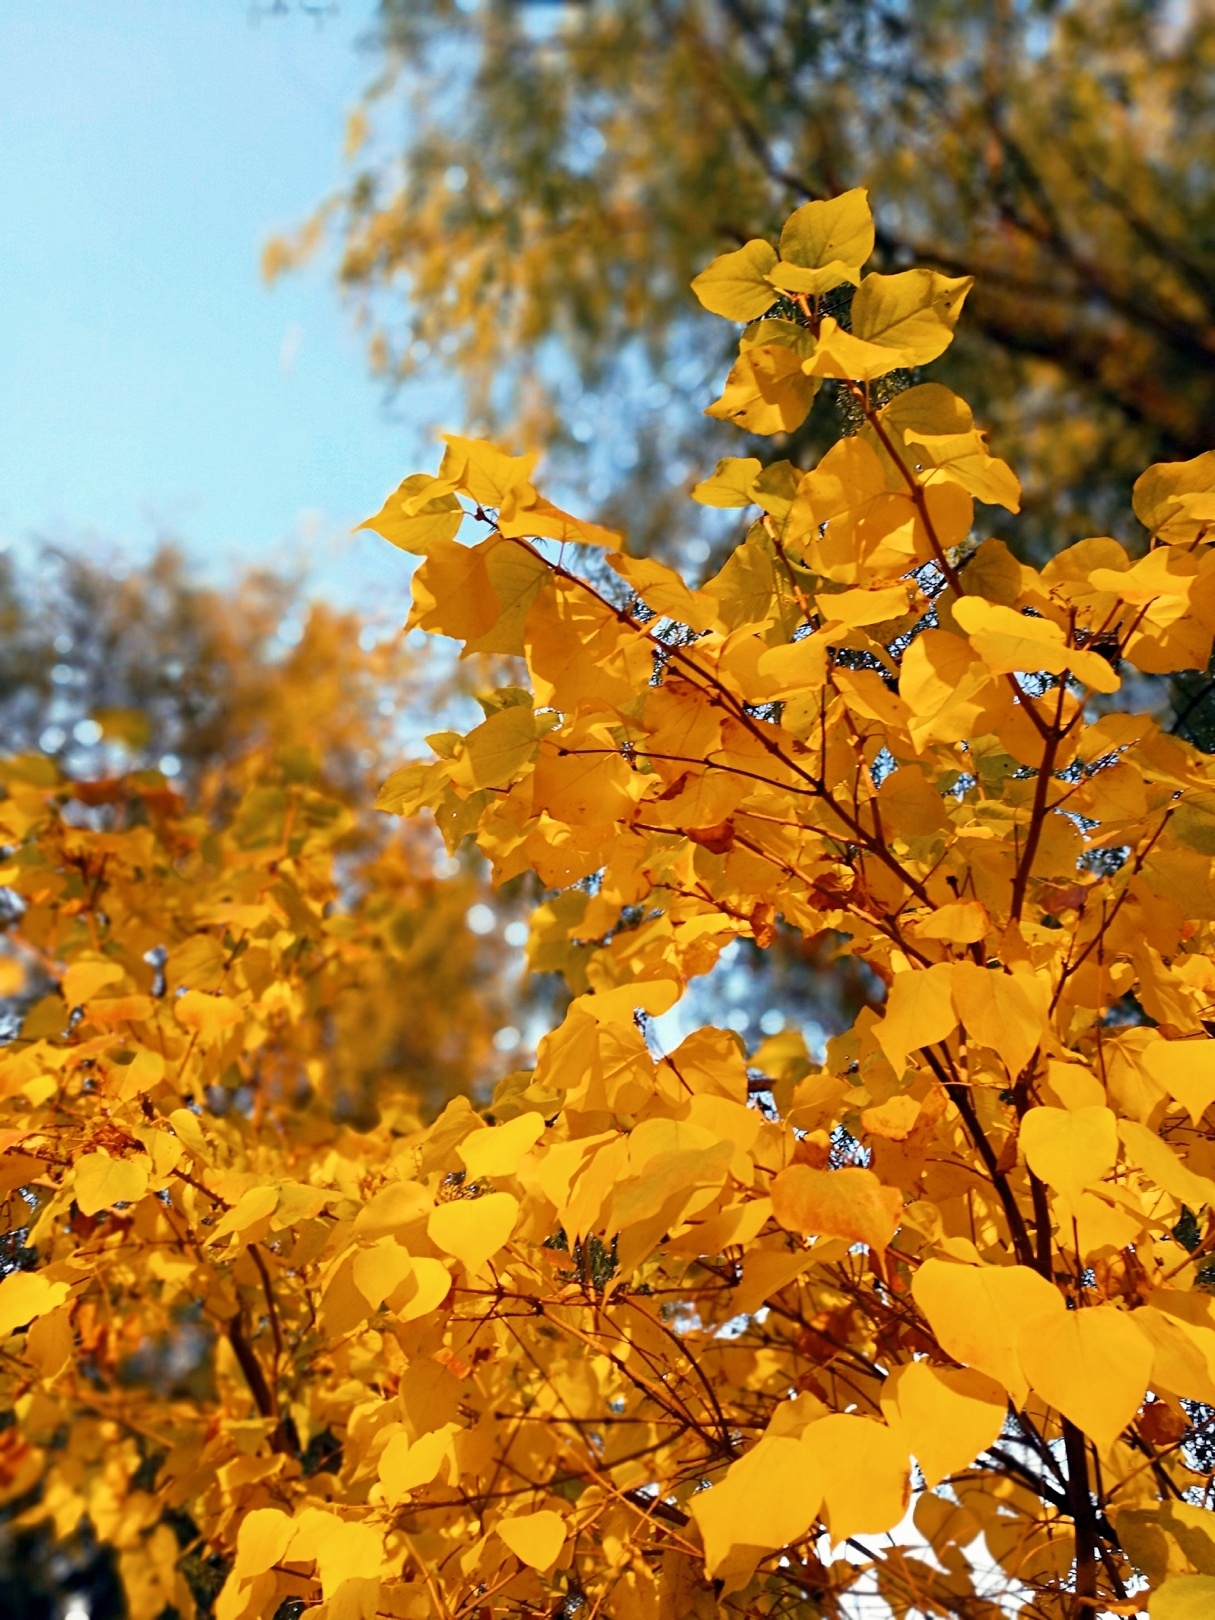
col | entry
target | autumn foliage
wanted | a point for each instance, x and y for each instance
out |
(529, 189)
(697, 1331)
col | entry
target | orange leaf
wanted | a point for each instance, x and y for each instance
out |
(851, 1204)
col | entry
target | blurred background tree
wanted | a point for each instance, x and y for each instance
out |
(532, 186)
(159, 714)
(105, 668)
(233, 698)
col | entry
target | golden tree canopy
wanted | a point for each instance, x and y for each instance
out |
(695, 1331)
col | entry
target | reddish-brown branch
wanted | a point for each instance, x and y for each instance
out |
(1083, 1517)
(1037, 815)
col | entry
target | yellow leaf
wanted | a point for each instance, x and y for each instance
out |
(350, 1551)
(914, 312)
(299, 1203)
(919, 1011)
(963, 458)
(1183, 1597)
(25, 1295)
(994, 574)
(1091, 1222)
(536, 1539)
(1160, 1163)
(766, 391)
(961, 922)
(1183, 1356)
(765, 1272)
(483, 471)
(842, 354)
(394, 1207)
(775, 488)
(731, 483)
(799, 666)
(1163, 572)
(783, 1056)
(51, 1343)
(871, 531)
(1186, 1070)
(578, 652)
(312, 1527)
(120, 1009)
(452, 592)
(945, 687)
(238, 1600)
(731, 1122)
(496, 751)
(517, 574)
(417, 513)
(617, 1006)
(83, 980)
(999, 1011)
(860, 607)
(734, 286)
(894, 1120)
(909, 804)
(945, 1415)
(498, 1150)
(976, 1314)
(867, 695)
(1167, 498)
(198, 963)
(380, 1271)
(1093, 1365)
(263, 1538)
(799, 340)
(662, 589)
(424, 1290)
(209, 1016)
(1069, 573)
(524, 512)
(407, 1465)
(473, 1229)
(1008, 641)
(590, 784)
(926, 408)
(866, 1474)
(1070, 1148)
(411, 786)
(828, 230)
(767, 1499)
(101, 1182)
(662, 1174)
(851, 1204)
(187, 1128)
(255, 1206)
(738, 1224)
(1073, 1085)
(793, 278)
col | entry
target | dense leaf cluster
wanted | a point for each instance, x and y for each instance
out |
(668, 1329)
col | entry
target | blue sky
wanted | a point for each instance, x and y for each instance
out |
(150, 383)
